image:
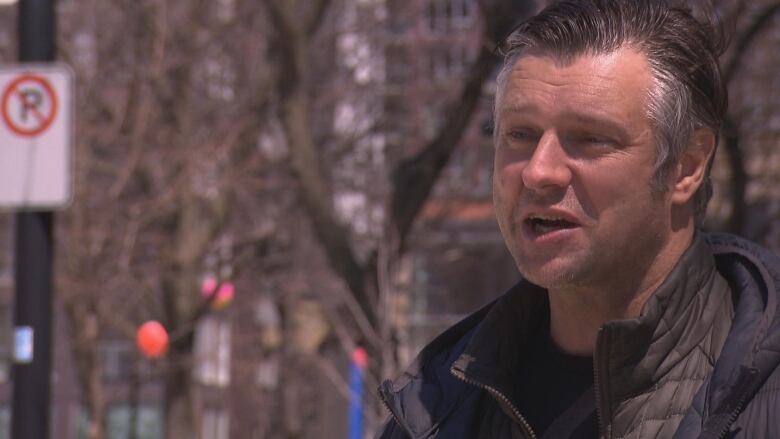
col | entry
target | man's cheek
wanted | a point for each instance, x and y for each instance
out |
(504, 182)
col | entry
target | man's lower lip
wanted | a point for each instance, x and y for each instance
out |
(530, 233)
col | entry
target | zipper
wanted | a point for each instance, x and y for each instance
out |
(383, 398)
(734, 413)
(732, 417)
(601, 338)
(518, 418)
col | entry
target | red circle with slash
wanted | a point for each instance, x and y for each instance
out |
(42, 119)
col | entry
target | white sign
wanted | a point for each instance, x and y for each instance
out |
(36, 136)
(23, 344)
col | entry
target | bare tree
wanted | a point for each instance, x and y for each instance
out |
(170, 98)
(411, 180)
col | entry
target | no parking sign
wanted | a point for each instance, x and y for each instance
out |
(36, 132)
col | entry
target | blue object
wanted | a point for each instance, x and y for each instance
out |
(356, 400)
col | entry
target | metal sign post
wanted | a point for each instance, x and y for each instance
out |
(34, 249)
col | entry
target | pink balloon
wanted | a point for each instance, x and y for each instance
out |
(224, 296)
(207, 287)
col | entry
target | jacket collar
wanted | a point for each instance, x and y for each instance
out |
(427, 392)
(691, 310)
(494, 352)
(640, 350)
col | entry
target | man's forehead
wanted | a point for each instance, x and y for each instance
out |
(625, 60)
(601, 75)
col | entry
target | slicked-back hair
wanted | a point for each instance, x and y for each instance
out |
(687, 91)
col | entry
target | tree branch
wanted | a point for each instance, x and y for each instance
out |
(739, 176)
(745, 39)
(317, 200)
(319, 8)
(414, 178)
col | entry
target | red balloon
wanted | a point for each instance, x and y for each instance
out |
(152, 339)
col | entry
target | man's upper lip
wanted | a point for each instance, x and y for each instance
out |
(550, 213)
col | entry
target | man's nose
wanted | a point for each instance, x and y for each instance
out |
(548, 167)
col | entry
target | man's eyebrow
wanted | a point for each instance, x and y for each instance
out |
(600, 121)
(597, 120)
(520, 108)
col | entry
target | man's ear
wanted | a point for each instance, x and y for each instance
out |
(693, 165)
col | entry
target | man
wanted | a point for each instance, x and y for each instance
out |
(629, 322)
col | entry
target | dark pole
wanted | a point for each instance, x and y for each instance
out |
(33, 266)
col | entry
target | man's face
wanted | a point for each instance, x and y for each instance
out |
(574, 157)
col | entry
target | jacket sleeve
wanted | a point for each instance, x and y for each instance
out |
(391, 430)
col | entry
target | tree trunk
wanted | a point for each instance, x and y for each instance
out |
(181, 421)
(95, 401)
(197, 223)
(85, 352)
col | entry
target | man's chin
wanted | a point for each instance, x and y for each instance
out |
(552, 274)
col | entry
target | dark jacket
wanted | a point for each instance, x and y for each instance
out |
(700, 361)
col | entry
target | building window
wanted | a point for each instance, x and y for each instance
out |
(226, 10)
(148, 422)
(446, 16)
(398, 64)
(398, 16)
(215, 424)
(212, 351)
(267, 374)
(432, 121)
(219, 78)
(447, 62)
(117, 359)
(120, 418)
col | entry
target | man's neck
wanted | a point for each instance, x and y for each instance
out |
(577, 314)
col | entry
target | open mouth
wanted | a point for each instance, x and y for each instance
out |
(541, 225)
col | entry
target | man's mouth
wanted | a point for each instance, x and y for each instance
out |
(543, 224)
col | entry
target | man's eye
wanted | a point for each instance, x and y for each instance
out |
(595, 140)
(522, 135)
(589, 138)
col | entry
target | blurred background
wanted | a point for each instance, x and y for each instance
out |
(326, 164)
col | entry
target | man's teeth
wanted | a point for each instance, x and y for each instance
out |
(541, 228)
(548, 218)
(547, 223)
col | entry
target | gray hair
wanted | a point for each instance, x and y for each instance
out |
(682, 51)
